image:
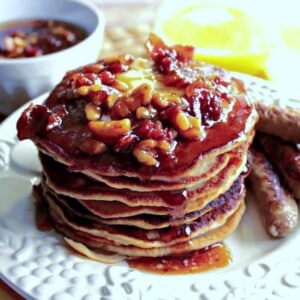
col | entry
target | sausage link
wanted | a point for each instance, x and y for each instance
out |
(285, 157)
(284, 123)
(277, 206)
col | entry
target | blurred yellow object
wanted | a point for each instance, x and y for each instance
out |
(291, 38)
(225, 36)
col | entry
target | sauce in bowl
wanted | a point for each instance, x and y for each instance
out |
(31, 38)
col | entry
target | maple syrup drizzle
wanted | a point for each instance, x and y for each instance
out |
(212, 257)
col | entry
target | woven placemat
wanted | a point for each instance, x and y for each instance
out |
(129, 40)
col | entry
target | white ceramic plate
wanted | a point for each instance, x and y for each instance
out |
(39, 266)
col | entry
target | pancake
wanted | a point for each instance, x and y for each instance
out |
(143, 157)
(188, 182)
(153, 185)
(130, 235)
(105, 166)
(142, 219)
(112, 253)
(81, 187)
(202, 241)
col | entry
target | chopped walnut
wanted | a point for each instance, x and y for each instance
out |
(165, 99)
(110, 131)
(145, 113)
(181, 121)
(194, 131)
(85, 90)
(92, 146)
(146, 151)
(92, 111)
(125, 105)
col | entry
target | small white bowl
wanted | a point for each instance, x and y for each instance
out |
(25, 78)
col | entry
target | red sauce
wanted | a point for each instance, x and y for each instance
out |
(213, 257)
(32, 38)
(210, 94)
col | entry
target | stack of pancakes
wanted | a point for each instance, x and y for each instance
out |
(112, 204)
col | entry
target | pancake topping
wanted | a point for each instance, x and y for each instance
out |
(143, 109)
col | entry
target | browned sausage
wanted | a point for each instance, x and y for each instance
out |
(277, 206)
(284, 123)
(285, 157)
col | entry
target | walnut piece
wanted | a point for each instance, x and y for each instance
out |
(146, 151)
(110, 131)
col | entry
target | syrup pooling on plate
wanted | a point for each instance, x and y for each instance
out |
(150, 154)
(207, 259)
(31, 38)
